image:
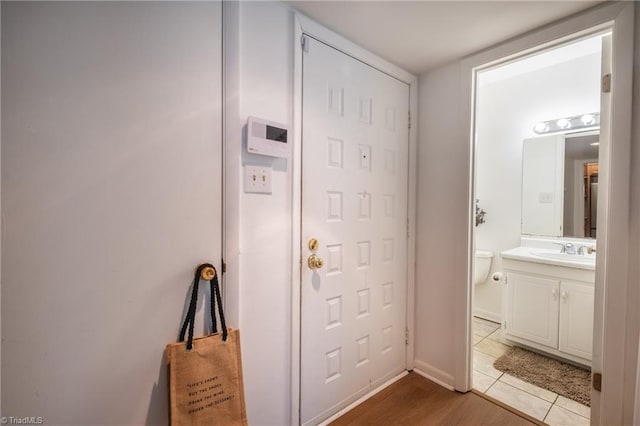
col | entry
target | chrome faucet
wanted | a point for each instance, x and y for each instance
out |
(568, 248)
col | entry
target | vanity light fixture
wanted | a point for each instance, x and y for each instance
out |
(563, 123)
(541, 128)
(588, 119)
(577, 122)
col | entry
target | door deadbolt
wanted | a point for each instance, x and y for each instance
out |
(313, 244)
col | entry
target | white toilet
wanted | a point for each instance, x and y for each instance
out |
(482, 266)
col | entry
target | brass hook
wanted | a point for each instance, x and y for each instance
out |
(207, 273)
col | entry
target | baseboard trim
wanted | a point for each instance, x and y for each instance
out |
(363, 398)
(488, 315)
(435, 375)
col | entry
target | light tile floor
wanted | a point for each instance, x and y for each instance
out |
(539, 403)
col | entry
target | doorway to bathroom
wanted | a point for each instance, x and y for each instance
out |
(537, 158)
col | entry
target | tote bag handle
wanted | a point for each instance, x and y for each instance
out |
(190, 318)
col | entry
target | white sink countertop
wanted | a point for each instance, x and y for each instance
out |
(551, 257)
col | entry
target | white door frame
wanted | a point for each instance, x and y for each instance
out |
(610, 322)
(306, 26)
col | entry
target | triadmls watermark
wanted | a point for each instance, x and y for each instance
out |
(28, 420)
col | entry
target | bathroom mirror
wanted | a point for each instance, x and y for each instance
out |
(560, 185)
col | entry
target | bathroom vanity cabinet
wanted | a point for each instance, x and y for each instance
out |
(549, 308)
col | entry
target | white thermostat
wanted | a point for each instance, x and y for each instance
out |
(267, 138)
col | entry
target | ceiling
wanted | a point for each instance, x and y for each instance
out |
(422, 35)
(580, 148)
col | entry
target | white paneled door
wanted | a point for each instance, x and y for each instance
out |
(354, 203)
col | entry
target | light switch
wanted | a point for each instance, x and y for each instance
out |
(257, 179)
(545, 197)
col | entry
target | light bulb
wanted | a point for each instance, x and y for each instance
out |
(588, 119)
(540, 127)
(563, 123)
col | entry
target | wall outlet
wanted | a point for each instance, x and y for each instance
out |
(257, 179)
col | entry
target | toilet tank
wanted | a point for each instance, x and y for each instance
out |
(482, 266)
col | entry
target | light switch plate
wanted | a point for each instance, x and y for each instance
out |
(545, 197)
(257, 179)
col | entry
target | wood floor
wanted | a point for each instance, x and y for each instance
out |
(414, 400)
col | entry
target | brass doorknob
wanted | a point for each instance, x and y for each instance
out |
(315, 262)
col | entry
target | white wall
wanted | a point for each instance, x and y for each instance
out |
(441, 220)
(507, 110)
(266, 90)
(111, 196)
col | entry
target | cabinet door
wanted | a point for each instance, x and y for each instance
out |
(532, 308)
(576, 318)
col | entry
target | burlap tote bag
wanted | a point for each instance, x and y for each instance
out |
(205, 374)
